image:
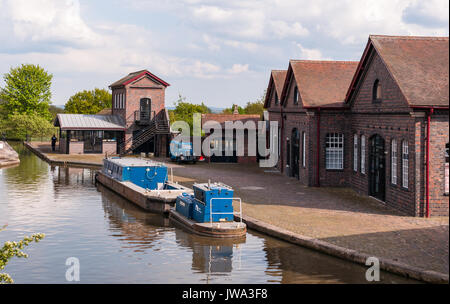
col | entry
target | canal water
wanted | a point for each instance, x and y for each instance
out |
(116, 242)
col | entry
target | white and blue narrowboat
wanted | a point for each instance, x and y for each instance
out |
(143, 182)
(209, 211)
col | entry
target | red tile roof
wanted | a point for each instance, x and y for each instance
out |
(321, 83)
(277, 78)
(136, 75)
(222, 118)
(419, 65)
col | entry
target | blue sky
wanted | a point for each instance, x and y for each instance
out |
(217, 52)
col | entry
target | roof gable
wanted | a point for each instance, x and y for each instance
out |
(320, 83)
(418, 65)
(135, 76)
(276, 83)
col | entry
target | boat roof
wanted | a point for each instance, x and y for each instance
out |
(134, 162)
(211, 186)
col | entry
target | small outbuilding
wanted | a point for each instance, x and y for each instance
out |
(81, 133)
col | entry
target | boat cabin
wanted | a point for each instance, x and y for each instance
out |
(144, 173)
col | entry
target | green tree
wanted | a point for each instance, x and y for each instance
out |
(14, 249)
(89, 102)
(241, 110)
(27, 91)
(19, 126)
(252, 107)
(54, 110)
(184, 111)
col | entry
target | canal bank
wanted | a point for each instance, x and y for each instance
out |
(8, 157)
(333, 221)
(117, 242)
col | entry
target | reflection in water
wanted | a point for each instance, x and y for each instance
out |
(137, 229)
(117, 242)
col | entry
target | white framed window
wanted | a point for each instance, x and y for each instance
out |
(121, 101)
(334, 151)
(304, 150)
(115, 100)
(405, 163)
(394, 160)
(446, 169)
(363, 154)
(355, 153)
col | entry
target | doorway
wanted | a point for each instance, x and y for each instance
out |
(295, 153)
(377, 173)
(93, 141)
(144, 109)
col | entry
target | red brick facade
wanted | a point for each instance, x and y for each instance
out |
(127, 94)
(393, 119)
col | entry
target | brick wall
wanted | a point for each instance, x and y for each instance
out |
(391, 118)
(439, 136)
(142, 88)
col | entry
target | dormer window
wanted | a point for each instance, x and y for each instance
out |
(295, 95)
(276, 98)
(376, 91)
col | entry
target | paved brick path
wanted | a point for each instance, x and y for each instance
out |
(335, 215)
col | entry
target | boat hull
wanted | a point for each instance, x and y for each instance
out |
(152, 201)
(216, 230)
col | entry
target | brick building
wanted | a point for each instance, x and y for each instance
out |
(137, 121)
(399, 102)
(139, 98)
(228, 146)
(273, 106)
(379, 126)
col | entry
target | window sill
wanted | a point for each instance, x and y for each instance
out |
(335, 170)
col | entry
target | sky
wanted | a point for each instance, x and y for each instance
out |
(217, 52)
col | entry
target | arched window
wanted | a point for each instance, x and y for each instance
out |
(355, 153)
(405, 163)
(376, 91)
(295, 95)
(394, 162)
(363, 154)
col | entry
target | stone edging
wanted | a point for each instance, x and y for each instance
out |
(58, 162)
(345, 253)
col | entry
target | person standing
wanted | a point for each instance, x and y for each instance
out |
(53, 142)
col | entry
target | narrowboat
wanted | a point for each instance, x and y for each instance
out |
(143, 182)
(209, 211)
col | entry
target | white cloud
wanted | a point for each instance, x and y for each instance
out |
(238, 68)
(282, 29)
(310, 54)
(49, 21)
(200, 38)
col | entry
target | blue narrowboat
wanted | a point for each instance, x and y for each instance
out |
(209, 211)
(144, 182)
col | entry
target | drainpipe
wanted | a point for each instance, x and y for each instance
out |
(281, 140)
(430, 112)
(318, 149)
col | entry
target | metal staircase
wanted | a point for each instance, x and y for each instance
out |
(159, 124)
